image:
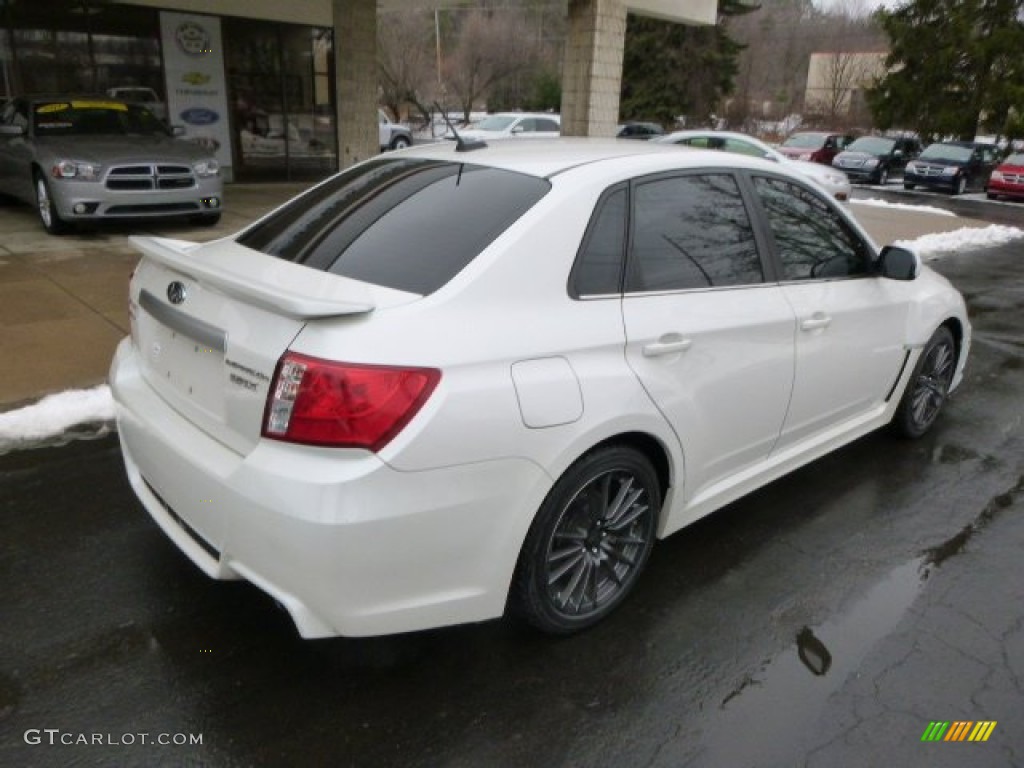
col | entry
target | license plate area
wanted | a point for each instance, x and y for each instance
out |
(184, 356)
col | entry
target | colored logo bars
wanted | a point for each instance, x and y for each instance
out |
(961, 730)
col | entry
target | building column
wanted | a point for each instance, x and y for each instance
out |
(355, 68)
(592, 72)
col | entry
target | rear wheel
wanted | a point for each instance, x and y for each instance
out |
(589, 541)
(928, 386)
(908, 185)
(51, 220)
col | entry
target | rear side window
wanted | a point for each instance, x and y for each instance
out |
(692, 232)
(404, 223)
(598, 269)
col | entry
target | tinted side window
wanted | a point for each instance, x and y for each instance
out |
(598, 269)
(743, 148)
(407, 223)
(543, 124)
(811, 239)
(691, 232)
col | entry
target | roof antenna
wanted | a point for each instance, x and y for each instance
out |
(461, 144)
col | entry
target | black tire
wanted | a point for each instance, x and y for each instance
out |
(48, 216)
(908, 185)
(205, 219)
(589, 542)
(400, 142)
(960, 185)
(883, 177)
(991, 196)
(928, 386)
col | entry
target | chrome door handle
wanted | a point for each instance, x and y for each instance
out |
(816, 321)
(667, 347)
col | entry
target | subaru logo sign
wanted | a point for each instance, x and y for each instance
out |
(199, 116)
(176, 292)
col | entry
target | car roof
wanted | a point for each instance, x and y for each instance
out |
(547, 157)
(550, 115)
(36, 97)
(693, 132)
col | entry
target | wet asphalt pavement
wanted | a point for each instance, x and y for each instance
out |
(823, 621)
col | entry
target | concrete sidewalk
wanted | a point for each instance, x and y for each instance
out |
(63, 300)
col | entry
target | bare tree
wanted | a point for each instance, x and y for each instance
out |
(835, 77)
(490, 48)
(405, 57)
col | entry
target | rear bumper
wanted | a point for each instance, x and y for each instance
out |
(100, 203)
(348, 545)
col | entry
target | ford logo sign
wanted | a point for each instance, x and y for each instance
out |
(176, 292)
(199, 116)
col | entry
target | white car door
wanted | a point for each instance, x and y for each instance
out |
(850, 324)
(710, 340)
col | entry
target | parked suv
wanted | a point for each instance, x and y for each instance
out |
(814, 146)
(954, 166)
(873, 159)
(90, 158)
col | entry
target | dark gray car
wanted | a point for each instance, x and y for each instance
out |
(83, 159)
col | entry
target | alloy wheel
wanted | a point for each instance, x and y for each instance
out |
(597, 544)
(932, 384)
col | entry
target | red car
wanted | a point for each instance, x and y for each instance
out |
(1007, 180)
(815, 146)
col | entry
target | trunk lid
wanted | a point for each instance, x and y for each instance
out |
(210, 323)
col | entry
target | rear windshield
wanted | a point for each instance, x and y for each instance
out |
(404, 223)
(88, 117)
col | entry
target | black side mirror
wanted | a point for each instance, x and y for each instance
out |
(895, 263)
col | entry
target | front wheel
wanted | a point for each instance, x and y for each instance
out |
(960, 186)
(589, 542)
(51, 220)
(908, 185)
(883, 177)
(928, 386)
(400, 142)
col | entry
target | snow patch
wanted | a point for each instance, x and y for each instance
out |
(876, 203)
(930, 247)
(54, 415)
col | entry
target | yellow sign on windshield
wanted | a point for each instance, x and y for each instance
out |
(45, 109)
(100, 105)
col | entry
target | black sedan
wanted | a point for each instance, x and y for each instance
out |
(953, 166)
(873, 159)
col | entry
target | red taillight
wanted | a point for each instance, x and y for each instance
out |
(321, 402)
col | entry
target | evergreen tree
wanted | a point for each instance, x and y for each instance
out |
(955, 67)
(674, 69)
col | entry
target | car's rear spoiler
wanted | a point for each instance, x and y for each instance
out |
(261, 280)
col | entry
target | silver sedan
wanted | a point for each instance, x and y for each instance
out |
(833, 181)
(84, 159)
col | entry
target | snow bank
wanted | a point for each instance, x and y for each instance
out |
(874, 202)
(54, 415)
(964, 239)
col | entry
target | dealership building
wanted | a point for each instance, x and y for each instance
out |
(259, 81)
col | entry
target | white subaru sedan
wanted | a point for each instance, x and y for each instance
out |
(443, 384)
